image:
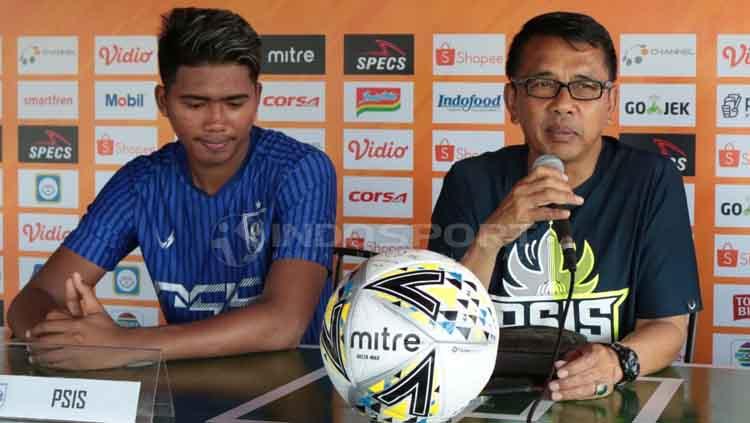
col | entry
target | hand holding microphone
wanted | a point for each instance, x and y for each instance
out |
(543, 195)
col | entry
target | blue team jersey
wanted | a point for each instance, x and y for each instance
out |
(209, 254)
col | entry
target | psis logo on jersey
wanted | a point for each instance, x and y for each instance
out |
(127, 280)
(382, 99)
(379, 54)
(48, 188)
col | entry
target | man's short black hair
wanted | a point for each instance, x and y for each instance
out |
(573, 28)
(193, 37)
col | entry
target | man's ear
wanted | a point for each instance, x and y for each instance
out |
(160, 93)
(509, 93)
(614, 93)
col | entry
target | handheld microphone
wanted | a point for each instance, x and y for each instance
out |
(562, 227)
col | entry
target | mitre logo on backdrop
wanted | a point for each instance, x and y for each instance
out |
(129, 55)
(657, 104)
(733, 105)
(451, 146)
(43, 232)
(658, 54)
(47, 55)
(468, 54)
(379, 54)
(378, 149)
(125, 100)
(48, 144)
(48, 100)
(294, 54)
(368, 196)
(733, 155)
(680, 148)
(733, 55)
(292, 101)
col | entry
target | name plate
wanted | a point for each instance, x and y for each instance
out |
(79, 400)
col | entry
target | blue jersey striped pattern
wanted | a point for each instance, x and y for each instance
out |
(210, 254)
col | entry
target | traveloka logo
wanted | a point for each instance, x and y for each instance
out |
(378, 100)
(742, 355)
(48, 188)
(121, 101)
(470, 103)
(127, 280)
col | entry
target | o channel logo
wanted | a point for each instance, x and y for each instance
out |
(48, 188)
(127, 280)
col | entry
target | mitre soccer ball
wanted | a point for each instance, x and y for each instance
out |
(410, 337)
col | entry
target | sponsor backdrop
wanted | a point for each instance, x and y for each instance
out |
(395, 93)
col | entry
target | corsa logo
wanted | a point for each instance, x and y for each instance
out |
(377, 197)
(291, 101)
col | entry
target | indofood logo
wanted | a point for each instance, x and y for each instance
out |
(470, 103)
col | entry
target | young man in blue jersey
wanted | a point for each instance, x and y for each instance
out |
(235, 222)
(637, 280)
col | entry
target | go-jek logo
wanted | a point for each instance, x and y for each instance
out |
(385, 99)
(127, 280)
(48, 188)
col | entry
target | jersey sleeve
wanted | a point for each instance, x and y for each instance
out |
(667, 282)
(453, 225)
(307, 211)
(106, 232)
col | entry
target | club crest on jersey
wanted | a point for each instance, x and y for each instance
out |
(238, 239)
(535, 286)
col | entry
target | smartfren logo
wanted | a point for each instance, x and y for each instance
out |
(294, 54)
(379, 54)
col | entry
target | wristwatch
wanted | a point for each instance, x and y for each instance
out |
(629, 364)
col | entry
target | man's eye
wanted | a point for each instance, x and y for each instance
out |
(542, 83)
(194, 105)
(236, 104)
(587, 85)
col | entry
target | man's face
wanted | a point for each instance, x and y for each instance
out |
(568, 128)
(211, 109)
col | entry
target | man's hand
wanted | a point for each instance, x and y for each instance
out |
(587, 372)
(85, 322)
(528, 202)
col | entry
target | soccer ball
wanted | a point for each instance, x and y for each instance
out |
(410, 337)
